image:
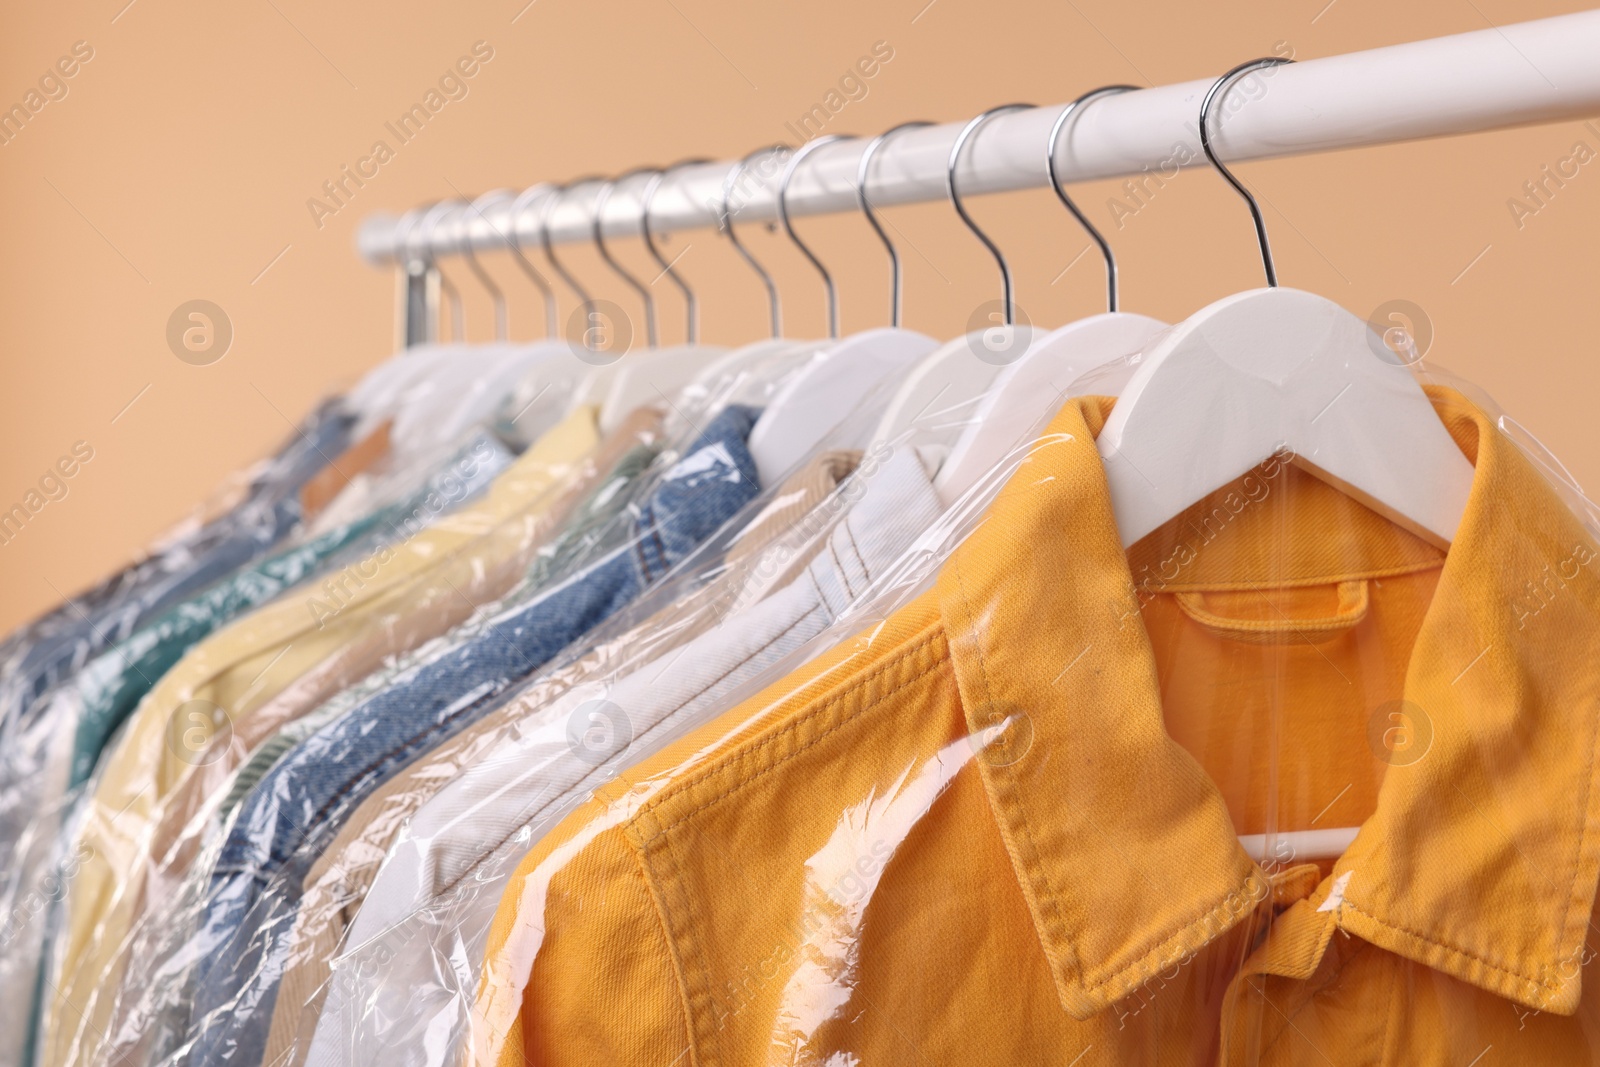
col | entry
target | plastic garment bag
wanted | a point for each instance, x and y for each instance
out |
(254, 513)
(443, 409)
(684, 492)
(402, 987)
(208, 707)
(87, 641)
(438, 690)
(1002, 823)
(50, 755)
(469, 578)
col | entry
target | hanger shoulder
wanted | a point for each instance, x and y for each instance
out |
(1025, 394)
(938, 395)
(819, 397)
(1271, 369)
(650, 377)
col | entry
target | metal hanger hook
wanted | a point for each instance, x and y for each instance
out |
(1055, 183)
(552, 314)
(502, 323)
(634, 283)
(1217, 88)
(955, 199)
(788, 227)
(691, 329)
(725, 224)
(556, 194)
(428, 225)
(862, 173)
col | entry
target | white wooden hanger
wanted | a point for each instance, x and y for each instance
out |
(1024, 393)
(940, 393)
(443, 398)
(385, 389)
(375, 392)
(1270, 368)
(836, 378)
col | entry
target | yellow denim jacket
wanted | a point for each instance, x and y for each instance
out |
(1002, 826)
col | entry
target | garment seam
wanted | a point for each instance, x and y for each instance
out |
(673, 872)
(1575, 914)
(861, 560)
(1306, 1001)
(1474, 957)
(372, 765)
(811, 573)
(1398, 570)
(839, 567)
(658, 891)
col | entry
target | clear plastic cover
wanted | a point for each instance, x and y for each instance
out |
(43, 664)
(193, 970)
(444, 402)
(833, 772)
(236, 689)
(1282, 782)
(204, 972)
(264, 510)
(51, 753)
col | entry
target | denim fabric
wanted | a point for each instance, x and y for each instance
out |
(587, 528)
(87, 625)
(298, 807)
(583, 534)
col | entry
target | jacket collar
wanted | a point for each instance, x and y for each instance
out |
(1479, 861)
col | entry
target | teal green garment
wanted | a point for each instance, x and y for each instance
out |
(112, 685)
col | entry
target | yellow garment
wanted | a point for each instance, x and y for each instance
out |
(224, 679)
(1000, 828)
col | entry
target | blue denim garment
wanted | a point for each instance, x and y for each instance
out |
(87, 625)
(282, 826)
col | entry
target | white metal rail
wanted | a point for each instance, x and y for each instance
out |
(1541, 71)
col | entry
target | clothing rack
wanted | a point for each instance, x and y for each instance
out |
(1530, 72)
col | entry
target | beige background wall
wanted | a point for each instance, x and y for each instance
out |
(179, 161)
